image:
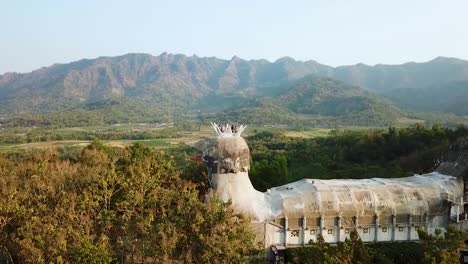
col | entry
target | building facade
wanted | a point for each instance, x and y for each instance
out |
(296, 213)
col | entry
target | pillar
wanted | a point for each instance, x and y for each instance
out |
(356, 222)
(410, 221)
(426, 222)
(304, 230)
(286, 227)
(393, 227)
(376, 230)
(338, 233)
(322, 225)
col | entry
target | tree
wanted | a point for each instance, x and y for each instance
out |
(109, 203)
(442, 249)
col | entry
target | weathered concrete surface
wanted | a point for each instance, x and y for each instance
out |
(416, 195)
(332, 206)
(226, 154)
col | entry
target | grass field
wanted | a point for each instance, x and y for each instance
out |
(167, 139)
(313, 133)
(153, 143)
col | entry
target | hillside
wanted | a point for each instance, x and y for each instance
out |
(382, 78)
(166, 79)
(169, 85)
(451, 97)
(326, 97)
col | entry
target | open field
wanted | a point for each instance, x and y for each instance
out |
(162, 137)
(312, 133)
(154, 143)
(405, 122)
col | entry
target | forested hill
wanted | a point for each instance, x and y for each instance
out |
(451, 97)
(381, 78)
(170, 84)
(133, 74)
(164, 79)
(328, 97)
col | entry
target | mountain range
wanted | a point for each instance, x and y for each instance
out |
(286, 89)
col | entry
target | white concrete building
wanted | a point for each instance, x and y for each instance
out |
(295, 213)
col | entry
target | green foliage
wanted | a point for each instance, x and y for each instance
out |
(275, 166)
(397, 252)
(311, 101)
(113, 111)
(330, 98)
(278, 160)
(442, 249)
(107, 204)
(350, 251)
(86, 252)
(29, 135)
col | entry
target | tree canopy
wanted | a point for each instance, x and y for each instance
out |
(112, 204)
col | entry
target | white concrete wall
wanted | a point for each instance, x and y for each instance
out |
(366, 237)
(295, 240)
(414, 233)
(344, 235)
(280, 235)
(276, 235)
(311, 234)
(401, 233)
(384, 236)
(330, 238)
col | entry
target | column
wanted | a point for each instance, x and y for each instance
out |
(321, 225)
(410, 221)
(304, 230)
(376, 223)
(393, 227)
(286, 227)
(338, 233)
(426, 222)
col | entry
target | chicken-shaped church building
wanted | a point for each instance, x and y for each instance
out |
(293, 214)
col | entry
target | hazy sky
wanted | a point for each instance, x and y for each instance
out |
(39, 33)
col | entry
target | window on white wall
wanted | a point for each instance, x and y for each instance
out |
(295, 233)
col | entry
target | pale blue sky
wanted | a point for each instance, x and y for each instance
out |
(39, 33)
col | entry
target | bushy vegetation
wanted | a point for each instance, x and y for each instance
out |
(443, 249)
(349, 154)
(106, 204)
(101, 204)
(18, 136)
